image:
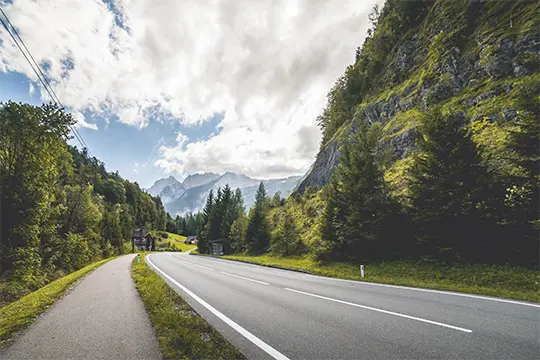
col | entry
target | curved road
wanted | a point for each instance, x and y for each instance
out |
(271, 313)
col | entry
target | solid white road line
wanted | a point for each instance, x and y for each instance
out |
(442, 292)
(255, 340)
(245, 278)
(383, 311)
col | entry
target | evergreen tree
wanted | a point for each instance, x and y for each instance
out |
(171, 224)
(258, 228)
(202, 234)
(179, 225)
(215, 216)
(228, 213)
(357, 200)
(449, 189)
(522, 205)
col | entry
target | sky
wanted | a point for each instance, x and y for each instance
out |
(163, 88)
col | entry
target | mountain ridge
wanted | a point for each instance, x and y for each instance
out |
(189, 196)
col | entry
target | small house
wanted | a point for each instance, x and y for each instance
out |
(142, 240)
(216, 247)
(190, 240)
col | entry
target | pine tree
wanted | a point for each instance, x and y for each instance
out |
(202, 232)
(228, 214)
(258, 229)
(523, 191)
(357, 201)
(214, 217)
(449, 189)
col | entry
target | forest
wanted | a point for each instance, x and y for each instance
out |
(60, 208)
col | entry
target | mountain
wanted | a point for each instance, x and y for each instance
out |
(171, 192)
(199, 179)
(472, 57)
(190, 195)
(161, 184)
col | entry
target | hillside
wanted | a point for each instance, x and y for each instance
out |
(472, 57)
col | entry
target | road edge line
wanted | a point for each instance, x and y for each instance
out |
(254, 339)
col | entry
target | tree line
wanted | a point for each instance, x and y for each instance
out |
(184, 225)
(59, 207)
(224, 219)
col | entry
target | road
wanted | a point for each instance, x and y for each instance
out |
(101, 318)
(271, 313)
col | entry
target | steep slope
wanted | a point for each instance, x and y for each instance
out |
(469, 56)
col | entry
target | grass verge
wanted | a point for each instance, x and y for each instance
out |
(494, 280)
(181, 332)
(17, 315)
(172, 242)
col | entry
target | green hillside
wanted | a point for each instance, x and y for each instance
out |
(170, 241)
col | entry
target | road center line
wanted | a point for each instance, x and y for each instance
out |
(255, 340)
(382, 311)
(245, 278)
(204, 267)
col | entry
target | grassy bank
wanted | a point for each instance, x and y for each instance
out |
(171, 242)
(494, 280)
(19, 314)
(181, 332)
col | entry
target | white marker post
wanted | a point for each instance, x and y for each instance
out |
(362, 271)
(139, 261)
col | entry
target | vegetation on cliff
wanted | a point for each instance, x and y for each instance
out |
(429, 142)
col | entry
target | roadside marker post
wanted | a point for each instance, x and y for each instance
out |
(362, 271)
(139, 260)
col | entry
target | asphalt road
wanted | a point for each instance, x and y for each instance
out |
(271, 313)
(101, 318)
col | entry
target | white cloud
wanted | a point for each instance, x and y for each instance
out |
(81, 122)
(266, 65)
(31, 89)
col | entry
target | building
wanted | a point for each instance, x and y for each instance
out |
(190, 240)
(142, 240)
(216, 247)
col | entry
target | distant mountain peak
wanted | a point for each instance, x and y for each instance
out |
(161, 184)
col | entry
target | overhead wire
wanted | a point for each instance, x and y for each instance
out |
(39, 74)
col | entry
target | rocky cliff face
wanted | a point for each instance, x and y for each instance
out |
(468, 56)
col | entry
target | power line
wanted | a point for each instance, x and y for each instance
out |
(43, 79)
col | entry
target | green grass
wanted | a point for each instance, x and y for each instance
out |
(495, 280)
(181, 332)
(19, 314)
(176, 241)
